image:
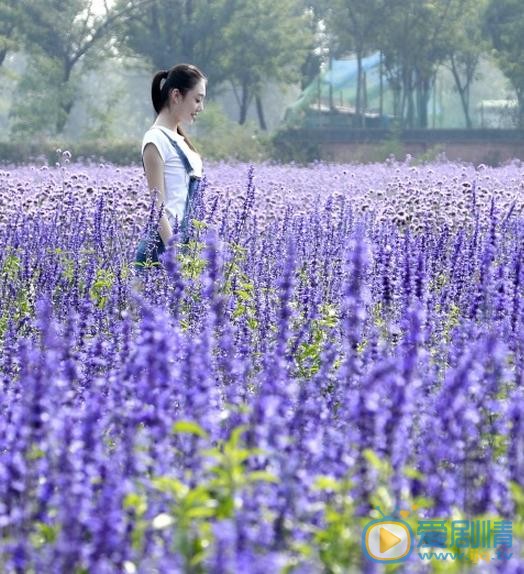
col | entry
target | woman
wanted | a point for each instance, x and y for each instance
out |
(172, 165)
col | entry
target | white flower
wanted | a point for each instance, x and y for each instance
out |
(161, 521)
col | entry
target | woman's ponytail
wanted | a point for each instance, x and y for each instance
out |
(158, 94)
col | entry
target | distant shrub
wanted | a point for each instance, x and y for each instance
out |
(215, 135)
(108, 151)
(288, 146)
(220, 138)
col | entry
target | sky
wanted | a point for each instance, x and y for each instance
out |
(98, 5)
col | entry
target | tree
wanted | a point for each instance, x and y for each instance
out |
(167, 32)
(316, 12)
(415, 42)
(469, 44)
(504, 21)
(60, 36)
(356, 24)
(265, 41)
(7, 28)
(241, 41)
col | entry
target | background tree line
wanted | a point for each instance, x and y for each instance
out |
(245, 43)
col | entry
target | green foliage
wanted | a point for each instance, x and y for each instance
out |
(392, 146)
(265, 40)
(336, 541)
(518, 497)
(136, 505)
(200, 39)
(43, 151)
(451, 321)
(101, 287)
(219, 138)
(245, 43)
(308, 354)
(22, 305)
(10, 265)
(470, 44)
(356, 25)
(230, 477)
(189, 427)
(61, 38)
(504, 21)
(288, 146)
(43, 533)
(417, 37)
(233, 143)
(191, 257)
(38, 109)
(431, 154)
(102, 123)
(190, 511)
(8, 29)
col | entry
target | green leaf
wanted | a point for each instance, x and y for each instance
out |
(136, 502)
(236, 435)
(208, 511)
(262, 476)
(197, 496)
(376, 462)
(325, 482)
(170, 486)
(413, 473)
(189, 427)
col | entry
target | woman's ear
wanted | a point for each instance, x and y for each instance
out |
(176, 96)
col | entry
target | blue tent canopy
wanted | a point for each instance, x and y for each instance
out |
(343, 73)
(340, 83)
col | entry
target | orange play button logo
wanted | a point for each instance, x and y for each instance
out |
(387, 540)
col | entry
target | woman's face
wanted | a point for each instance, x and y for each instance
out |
(193, 103)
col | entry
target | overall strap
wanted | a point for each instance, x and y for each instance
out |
(179, 151)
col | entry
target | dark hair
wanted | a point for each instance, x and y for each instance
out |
(182, 76)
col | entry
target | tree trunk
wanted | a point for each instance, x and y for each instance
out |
(63, 114)
(520, 100)
(381, 87)
(364, 91)
(397, 95)
(463, 91)
(244, 103)
(409, 99)
(66, 98)
(423, 112)
(260, 113)
(423, 92)
(358, 104)
(330, 81)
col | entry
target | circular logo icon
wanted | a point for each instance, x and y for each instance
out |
(387, 540)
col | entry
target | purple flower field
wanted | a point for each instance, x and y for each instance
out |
(332, 339)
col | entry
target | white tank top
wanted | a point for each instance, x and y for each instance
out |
(176, 179)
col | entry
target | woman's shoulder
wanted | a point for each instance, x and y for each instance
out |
(156, 137)
(153, 133)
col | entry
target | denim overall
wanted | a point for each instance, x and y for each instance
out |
(150, 248)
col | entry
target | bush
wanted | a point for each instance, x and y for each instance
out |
(215, 136)
(44, 151)
(287, 146)
(219, 138)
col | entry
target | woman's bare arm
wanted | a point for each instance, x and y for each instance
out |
(154, 168)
